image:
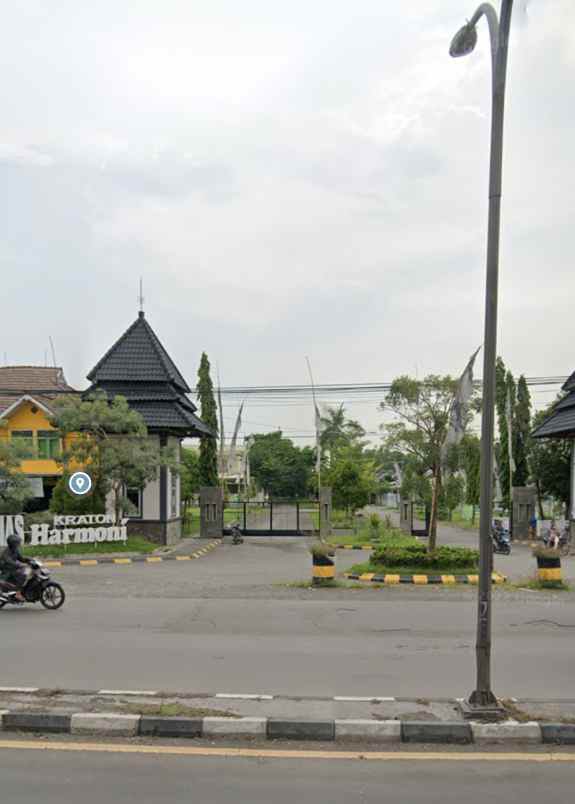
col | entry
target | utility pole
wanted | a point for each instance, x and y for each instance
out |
(482, 702)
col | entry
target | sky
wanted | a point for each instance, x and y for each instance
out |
(289, 179)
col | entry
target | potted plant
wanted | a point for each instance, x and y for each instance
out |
(323, 557)
(548, 565)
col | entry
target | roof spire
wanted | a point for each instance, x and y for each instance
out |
(141, 299)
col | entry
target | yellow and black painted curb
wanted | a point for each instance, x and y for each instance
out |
(354, 546)
(53, 563)
(421, 580)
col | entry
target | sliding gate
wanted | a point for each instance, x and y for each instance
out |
(276, 517)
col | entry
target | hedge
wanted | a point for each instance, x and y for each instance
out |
(417, 555)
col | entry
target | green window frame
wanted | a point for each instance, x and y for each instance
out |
(25, 438)
(48, 444)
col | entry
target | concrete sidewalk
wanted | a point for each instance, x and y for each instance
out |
(108, 713)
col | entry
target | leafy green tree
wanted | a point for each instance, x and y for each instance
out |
(111, 441)
(352, 481)
(551, 464)
(14, 487)
(522, 433)
(209, 415)
(422, 408)
(470, 452)
(191, 480)
(453, 494)
(280, 468)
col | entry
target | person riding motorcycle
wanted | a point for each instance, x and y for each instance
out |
(12, 564)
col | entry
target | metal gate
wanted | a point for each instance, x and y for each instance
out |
(276, 517)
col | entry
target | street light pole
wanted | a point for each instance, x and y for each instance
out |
(482, 700)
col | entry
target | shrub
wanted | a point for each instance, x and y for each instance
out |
(374, 525)
(321, 550)
(63, 502)
(417, 555)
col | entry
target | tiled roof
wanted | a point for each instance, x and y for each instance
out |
(139, 368)
(561, 423)
(170, 416)
(26, 379)
(137, 356)
(570, 384)
(6, 400)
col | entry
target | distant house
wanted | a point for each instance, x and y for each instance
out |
(139, 368)
(561, 424)
(27, 394)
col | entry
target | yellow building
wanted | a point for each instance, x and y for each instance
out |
(27, 394)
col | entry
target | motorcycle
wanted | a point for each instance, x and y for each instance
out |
(39, 588)
(235, 532)
(501, 541)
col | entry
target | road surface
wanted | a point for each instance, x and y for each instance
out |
(228, 623)
(55, 777)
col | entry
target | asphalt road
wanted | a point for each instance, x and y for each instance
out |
(93, 778)
(225, 623)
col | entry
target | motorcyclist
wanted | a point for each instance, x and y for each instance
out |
(13, 563)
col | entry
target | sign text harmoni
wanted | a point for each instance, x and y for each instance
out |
(85, 529)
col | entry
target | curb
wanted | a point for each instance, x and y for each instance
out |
(52, 563)
(422, 580)
(380, 731)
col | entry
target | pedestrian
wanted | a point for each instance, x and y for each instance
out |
(553, 536)
(533, 527)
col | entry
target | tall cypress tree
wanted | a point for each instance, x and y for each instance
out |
(501, 404)
(522, 432)
(208, 464)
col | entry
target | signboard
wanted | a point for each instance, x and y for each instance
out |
(10, 525)
(84, 529)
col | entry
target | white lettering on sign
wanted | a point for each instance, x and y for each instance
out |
(44, 535)
(11, 525)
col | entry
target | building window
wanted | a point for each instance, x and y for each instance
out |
(24, 438)
(48, 444)
(135, 497)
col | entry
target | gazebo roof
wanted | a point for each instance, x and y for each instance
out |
(561, 422)
(138, 356)
(138, 367)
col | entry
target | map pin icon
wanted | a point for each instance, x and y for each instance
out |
(79, 482)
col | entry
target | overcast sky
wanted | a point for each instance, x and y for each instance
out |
(289, 179)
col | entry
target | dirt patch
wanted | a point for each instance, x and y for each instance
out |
(171, 710)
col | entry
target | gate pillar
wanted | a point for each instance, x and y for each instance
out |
(324, 512)
(211, 512)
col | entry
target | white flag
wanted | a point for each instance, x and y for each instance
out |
(232, 455)
(456, 429)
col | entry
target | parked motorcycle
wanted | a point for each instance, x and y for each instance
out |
(39, 588)
(501, 540)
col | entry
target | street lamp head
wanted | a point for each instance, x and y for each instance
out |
(464, 41)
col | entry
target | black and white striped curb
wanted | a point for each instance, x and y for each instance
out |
(380, 731)
(120, 561)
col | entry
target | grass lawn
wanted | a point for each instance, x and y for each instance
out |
(367, 535)
(135, 544)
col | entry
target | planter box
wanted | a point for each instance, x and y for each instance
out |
(323, 570)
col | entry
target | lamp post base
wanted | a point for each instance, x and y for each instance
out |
(482, 706)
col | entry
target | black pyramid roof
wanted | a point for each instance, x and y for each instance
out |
(138, 356)
(138, 367)
(561, 423)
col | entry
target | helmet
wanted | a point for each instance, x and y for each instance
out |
(14, 541)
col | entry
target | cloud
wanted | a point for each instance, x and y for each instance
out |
(308, 178)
